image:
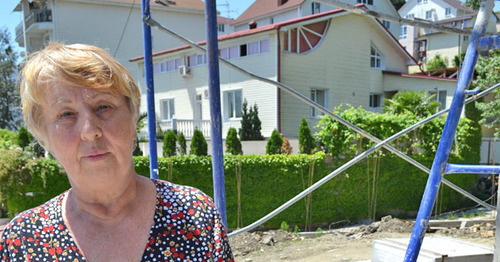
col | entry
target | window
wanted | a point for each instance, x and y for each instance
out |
(440, 96)
(419, 1)
(466, 38)
(233, 102)
(428, 14)
(387, 24)
(271, 20)
(223, 53)
(243, 50)
(233, 52)
(253, 48)
(410, 16)
(403, 32)
(167, 109)
(320, 97)
(264, 46)
(368, 2)
(198, 107)
(375, 58)
(316, 8)
(447, 11)
(375, 100)
(220, 28)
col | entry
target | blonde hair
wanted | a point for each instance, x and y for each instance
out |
(76, 65)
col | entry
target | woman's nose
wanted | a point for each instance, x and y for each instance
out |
(90, 127)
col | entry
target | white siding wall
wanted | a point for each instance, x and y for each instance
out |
(184, 89)
(102, 25)
(341, 64)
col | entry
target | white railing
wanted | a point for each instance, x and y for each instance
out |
(186, 126)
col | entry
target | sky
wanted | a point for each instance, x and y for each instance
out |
(231, 8)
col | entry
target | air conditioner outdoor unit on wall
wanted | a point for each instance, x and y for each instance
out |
(183, 71)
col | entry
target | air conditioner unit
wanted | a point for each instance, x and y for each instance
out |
(183, 71)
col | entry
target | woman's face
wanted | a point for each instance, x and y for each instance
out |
(90, 132)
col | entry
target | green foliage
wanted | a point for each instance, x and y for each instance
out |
(341, 142)
(458, 59)
(24, 137)
(182, 143)
(169, 143)
(7, 138)
(250, 123)
(488, 74)
(284, 226)
(306, 140)
(26, 182)
(199, 145)
(140, 121)
(10, 112)
(233, 144)
(437, 62)
(472, 4)
(418, 103)
(274, 143)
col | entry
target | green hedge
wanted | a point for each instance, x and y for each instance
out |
(267, 181)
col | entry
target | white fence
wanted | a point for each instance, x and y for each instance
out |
(186, 126)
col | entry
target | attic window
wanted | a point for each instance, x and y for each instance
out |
(252, 25)
(282, 2)
(165, 2)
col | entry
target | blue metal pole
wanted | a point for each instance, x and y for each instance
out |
(450, 128)
(471, 169)
(489, 42)
(215, 111)
(148, 66)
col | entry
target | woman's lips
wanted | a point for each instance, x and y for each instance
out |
(96, 156)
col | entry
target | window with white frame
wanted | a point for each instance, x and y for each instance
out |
(410, 16)
(220, 28)
(440, 96)
(233, 104)
(428, 14)
(447, 11)
(316, 8)
(167, 109)
(387, 24)
(320, 96)
(403, 32)
(198, 107)
(375, 100)
(376, 58)
(368, 2)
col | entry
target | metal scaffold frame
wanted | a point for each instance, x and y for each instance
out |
(479, 41)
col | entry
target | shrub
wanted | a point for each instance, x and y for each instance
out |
(24, 137)
(286, 148)
(182, 143)
(169, 143)
(199, 145)
(274, 143)
(233, 144)
(306, 140)
(7, 138)
(250, 123)
(437, 62)
(137, 149)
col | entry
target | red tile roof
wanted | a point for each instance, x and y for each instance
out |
(264, 7)
(224, 20)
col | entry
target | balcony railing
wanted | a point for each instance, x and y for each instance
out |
(186, 126)
(38, 16)
(19, 30)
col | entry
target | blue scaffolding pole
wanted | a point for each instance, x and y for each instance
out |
(148, 66)
(439, 166)
(215, 112)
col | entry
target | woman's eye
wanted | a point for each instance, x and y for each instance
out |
(102, 107)
(66, 114)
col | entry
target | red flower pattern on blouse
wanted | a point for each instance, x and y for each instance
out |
(186, 226)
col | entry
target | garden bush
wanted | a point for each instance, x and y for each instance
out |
(233, 143)
(169, 143)
(182, 143)
(199, 145)
(274, 143)
(306, 140)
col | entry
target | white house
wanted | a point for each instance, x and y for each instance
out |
(265, 12)
(316, 55)
(424, 44)
(114, 25)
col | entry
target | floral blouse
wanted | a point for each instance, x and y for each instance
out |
(187, 227)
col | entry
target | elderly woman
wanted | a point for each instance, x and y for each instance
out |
(83, 107)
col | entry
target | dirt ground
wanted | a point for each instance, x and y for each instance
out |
(345, 244)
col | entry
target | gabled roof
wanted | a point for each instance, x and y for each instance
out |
(277, 26)
(453, 3)
(264, 7)
(224, 20)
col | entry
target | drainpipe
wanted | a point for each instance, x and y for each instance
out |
(278, 76)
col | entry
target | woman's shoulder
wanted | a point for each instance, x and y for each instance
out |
(40, 216)
(170, 193)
